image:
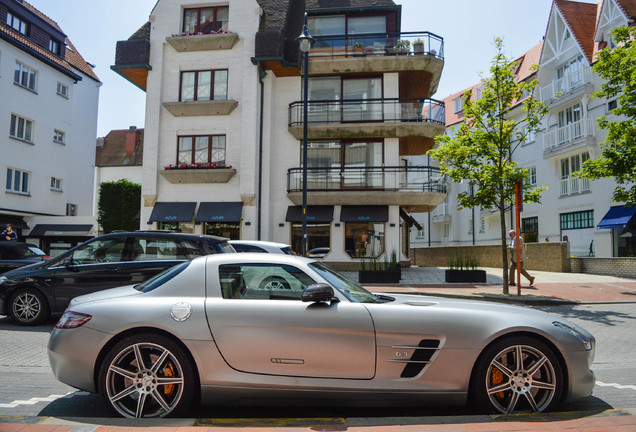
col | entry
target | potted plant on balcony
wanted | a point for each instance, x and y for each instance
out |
(402, 47)
(380, 272)
(418, 46)
(464, 269)
(358, 49)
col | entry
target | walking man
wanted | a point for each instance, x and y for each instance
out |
(514, 244)
(8, 234)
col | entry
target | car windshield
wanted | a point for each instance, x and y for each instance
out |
(161, 278)
(350, 289)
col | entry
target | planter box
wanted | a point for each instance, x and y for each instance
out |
(466, 276)
(379, 276)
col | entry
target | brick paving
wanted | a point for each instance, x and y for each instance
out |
(548, 288)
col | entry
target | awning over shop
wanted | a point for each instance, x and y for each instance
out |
(364, 214)
(61, 230)
(617, 218)
(219, 212)
(17, 222)
(173, 212)
(410, 220)
(315, 214)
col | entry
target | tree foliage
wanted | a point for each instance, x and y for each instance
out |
(481, 151)
(119, 204)
(617, 66)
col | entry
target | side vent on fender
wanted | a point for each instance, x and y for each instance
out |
(422, 355)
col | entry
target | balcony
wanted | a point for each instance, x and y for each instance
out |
(565, 88)
(416, 189)
(201, 108)
(368, 118)
(202, 42)
(577, 134)
(441, 213)
(194, 176)
(132, 61)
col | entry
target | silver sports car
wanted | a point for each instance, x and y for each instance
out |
(208, 331)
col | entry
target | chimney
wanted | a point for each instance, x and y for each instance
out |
(131, 140)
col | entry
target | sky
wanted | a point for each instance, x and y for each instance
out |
(468, 28)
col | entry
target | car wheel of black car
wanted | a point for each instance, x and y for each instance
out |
(146, 376)
(273, 283)
(28, 306)
(517, 375)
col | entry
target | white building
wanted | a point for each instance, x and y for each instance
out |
(571, 209)
(48, 124)
(223, 133)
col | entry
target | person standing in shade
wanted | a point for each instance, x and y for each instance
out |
(8, 234)
(514, 244)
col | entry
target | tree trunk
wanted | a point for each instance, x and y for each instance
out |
(504, 250)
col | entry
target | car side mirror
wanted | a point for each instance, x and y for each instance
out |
(69, 264)
(318, 293)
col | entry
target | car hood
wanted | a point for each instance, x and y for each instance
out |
(27, 269)
(108, 294)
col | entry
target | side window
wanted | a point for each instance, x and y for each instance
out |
(248, 248)
(191, 250)
(150, 249)
(100, 251)
(262, 282)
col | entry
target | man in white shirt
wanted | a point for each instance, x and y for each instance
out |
(514, 244)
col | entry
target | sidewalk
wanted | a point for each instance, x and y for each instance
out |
(548, 288)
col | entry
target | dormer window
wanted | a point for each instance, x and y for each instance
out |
(205, 20)
(17, 23)
(54, 47)
(458, 105)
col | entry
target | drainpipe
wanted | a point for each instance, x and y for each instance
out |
(261, 75)
(472, 192)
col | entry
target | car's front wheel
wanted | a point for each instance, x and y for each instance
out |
(146, 376)
(28, 306)
(517, 375)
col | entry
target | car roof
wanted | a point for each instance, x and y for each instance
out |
(259, 243)
(14, 244)
(256, 258)
(167, 235)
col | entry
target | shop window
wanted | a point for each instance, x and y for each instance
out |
(364, 240)
(230, 230)
(318, 239)
(184, 227)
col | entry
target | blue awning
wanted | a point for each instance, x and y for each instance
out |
(617, 218)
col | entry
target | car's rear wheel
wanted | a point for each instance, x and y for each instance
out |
(28, 306)
(275, 283)
(146, 376)
(517, 375)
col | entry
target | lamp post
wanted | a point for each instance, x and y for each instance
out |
(306, 41)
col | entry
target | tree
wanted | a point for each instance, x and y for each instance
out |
(119, 204)
(617, 66)
(481, 151)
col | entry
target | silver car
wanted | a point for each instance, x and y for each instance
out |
(203, 331)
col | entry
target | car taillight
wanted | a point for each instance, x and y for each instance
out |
(72, 319)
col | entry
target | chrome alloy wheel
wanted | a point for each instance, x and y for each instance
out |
(521, 378)
(144, 380)
(26, 307)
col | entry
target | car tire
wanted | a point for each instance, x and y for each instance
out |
(274, 282)
(503, 384)
(28, 306)
(165, 384)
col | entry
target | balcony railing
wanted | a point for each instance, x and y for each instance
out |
(392, 179)
(368, 110)
(568, 83)
(378, 44)
(573, 185)
(569, 133)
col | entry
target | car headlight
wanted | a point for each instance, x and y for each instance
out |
(577, 334)
(2, 279)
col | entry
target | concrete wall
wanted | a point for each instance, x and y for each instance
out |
(541, 256)
(620, 267)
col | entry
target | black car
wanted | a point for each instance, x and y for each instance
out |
(30, 294)
(15, 254)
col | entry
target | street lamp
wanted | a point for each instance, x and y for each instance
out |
(306, 41)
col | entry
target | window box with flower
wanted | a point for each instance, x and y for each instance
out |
(198, 173)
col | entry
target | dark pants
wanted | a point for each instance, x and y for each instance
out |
(513, 268)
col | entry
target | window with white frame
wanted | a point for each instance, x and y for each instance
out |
(56, 184)
(24, 76)
(569, 184)
(458, 105)
(482, 225)
(21, 128)
(446, 230)
(59, 136)
(17, 23)
(530, 136)
(62, 90)
(421, 234)
(17, 181)
(470, 226)
(532, 179)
